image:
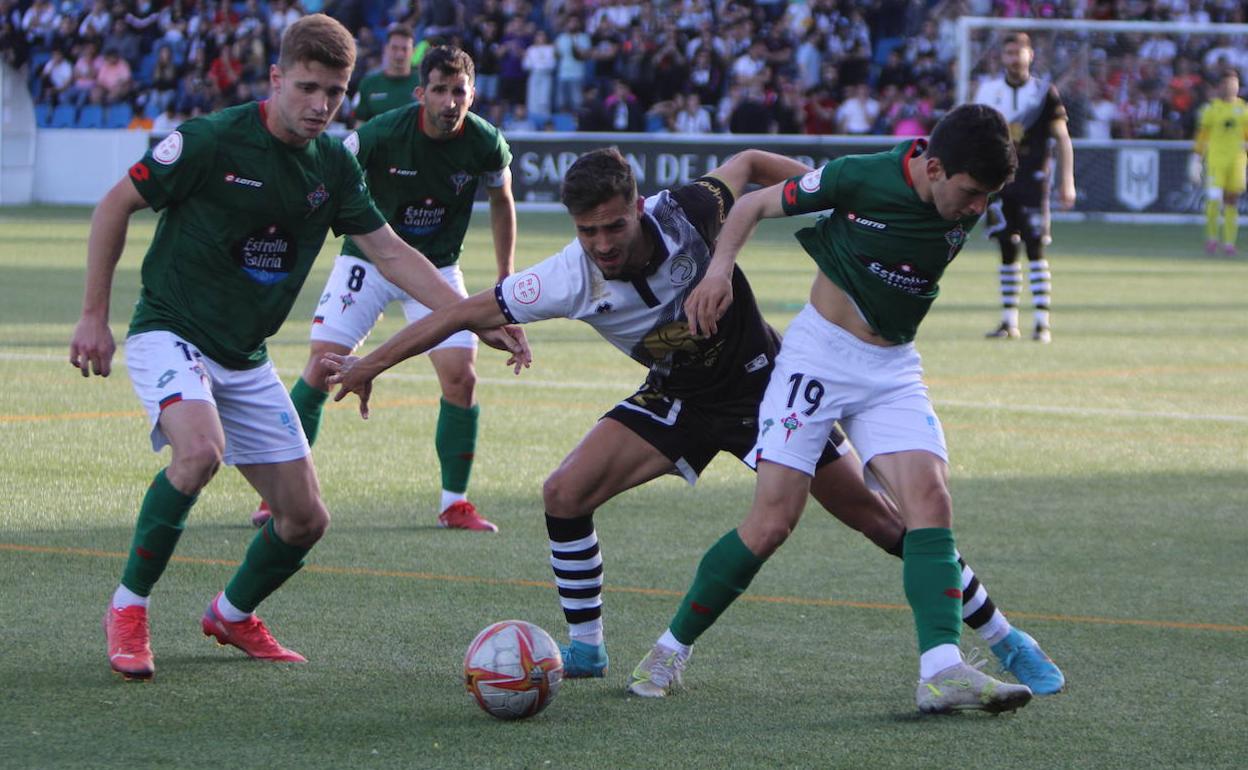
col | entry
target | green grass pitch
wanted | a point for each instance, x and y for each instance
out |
(1099, 490)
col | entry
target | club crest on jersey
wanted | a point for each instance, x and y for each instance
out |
(317, 198)
(810, 181)
(348, 300)
(955, 238)
(682, 269)
(460, 179)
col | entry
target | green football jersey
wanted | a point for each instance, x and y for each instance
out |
(243, 216)
(426, 187)
(880, 243)
(380, 93)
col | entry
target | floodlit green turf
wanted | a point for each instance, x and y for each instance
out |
(1099, 487)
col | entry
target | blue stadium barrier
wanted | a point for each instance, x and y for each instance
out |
(118, 115)
(43, 115)
(64, 116)
(91, 116)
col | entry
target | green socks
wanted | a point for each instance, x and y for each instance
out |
(309, 405)
(456, 441)
(268, 564)
(161, 519)
(724, 573)
(933, 584)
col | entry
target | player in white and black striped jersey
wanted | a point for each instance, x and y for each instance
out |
(1034, 110)
(627, 275)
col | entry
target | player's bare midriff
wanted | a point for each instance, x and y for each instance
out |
(836, 307)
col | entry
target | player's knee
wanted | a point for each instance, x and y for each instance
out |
(562, 498)
(302, 525)
(194, 466)
(764, 537)
(459, 386)
(930, 505)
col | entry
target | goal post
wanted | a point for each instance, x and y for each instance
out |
(1125, 179)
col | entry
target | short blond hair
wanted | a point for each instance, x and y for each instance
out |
(319, 38)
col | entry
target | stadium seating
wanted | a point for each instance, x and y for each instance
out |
(91, 116)
(43, 115)
(118, 115)
(563, 121)
(64, 116)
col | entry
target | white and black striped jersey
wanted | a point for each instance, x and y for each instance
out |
(644, 316)
(1030, 109)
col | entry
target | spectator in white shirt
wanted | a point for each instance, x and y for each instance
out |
(858, 113)
(693, 117)
(539, 61)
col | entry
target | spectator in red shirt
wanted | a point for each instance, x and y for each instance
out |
(226, 70)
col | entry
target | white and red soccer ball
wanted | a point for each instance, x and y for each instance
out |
(513, 669)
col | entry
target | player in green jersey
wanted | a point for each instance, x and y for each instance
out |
(423, 164)
(395, 84)
(897, 219)
(246, 196)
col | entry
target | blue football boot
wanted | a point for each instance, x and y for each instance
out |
(584, 661)
(1021, 656)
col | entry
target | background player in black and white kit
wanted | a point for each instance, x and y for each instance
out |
(628, 275)
(1034, 110)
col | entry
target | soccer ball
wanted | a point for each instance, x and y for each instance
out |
(513, 669)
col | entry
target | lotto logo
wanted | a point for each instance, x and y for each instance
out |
(527, 289)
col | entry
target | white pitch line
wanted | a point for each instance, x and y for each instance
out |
(523, 380)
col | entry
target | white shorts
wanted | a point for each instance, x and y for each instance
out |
(260, 422)
(824, 374)
(356, 294)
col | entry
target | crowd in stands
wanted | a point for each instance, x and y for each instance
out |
(882, 67)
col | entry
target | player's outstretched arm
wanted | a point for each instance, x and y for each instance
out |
(406, 267)
(709, 300)
(479, 313)
(757, 167)
(92, 346)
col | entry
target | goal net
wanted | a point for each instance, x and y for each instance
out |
(1132, 91)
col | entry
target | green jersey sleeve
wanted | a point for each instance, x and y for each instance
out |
(357, 214)
(177, 166)
(816, 190)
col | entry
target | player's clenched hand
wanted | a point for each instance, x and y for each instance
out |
(1066, 196)
(510, 339)
(708, 302)
(91, 348)
(346, 372)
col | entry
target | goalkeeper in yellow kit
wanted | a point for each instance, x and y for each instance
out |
(1220, 137)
